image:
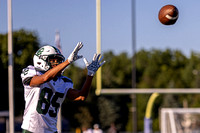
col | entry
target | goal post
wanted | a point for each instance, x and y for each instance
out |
(125, 91)
(180, 120)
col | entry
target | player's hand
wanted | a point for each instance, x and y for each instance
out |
(74, 55)
(94, 65)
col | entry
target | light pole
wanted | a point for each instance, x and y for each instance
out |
(133, 96)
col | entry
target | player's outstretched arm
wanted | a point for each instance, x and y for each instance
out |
(52, 73)
(74, 94)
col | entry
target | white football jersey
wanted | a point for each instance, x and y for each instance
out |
(43, 102)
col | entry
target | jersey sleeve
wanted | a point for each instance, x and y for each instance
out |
(27, 74)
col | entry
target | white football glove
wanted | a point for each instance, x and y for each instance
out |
(94, 65)
(74, 55)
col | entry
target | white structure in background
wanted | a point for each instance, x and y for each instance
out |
(180, 120)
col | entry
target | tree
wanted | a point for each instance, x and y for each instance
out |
(84, 117)
(117, 71)
(25, 43)
(107, 112)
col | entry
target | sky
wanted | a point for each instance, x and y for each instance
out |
(76, 21)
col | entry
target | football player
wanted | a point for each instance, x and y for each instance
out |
(45, 88)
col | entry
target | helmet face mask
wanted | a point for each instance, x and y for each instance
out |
(59, 59)
(42, 57)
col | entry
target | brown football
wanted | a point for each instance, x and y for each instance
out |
(168, 15)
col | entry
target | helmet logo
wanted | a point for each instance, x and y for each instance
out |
(39, 52)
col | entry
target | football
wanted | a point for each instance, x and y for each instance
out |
(168, 15)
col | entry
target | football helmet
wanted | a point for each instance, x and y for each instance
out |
(44, 54)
